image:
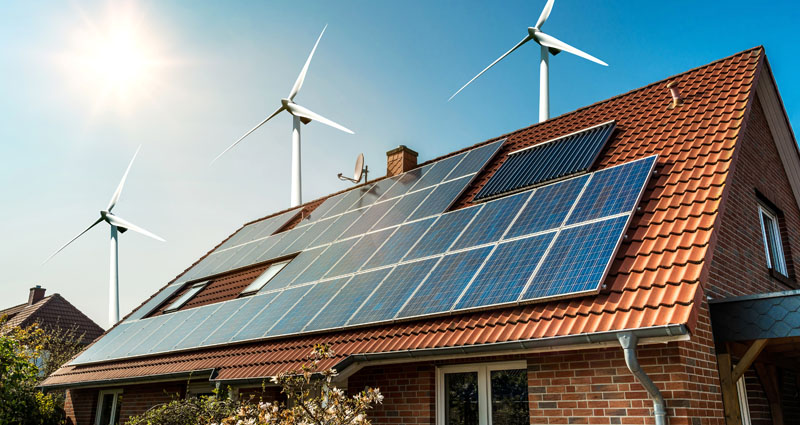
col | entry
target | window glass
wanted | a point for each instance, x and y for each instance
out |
(265, 277)
(772, 241)
(183, 299)
(461, 398)
(109, 408)
(510, 397)
(106, 405)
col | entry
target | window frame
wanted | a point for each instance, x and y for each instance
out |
(776, 264)
(194, 289)
(283, 263)
(115, 406)
(744, 404)
(484, 371)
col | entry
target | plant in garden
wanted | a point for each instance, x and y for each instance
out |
(190, 411)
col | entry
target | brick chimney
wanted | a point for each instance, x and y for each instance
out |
(399, 160)
(36, 294)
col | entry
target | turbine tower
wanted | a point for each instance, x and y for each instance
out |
(549, 45)
(117, 225)
(299, 114)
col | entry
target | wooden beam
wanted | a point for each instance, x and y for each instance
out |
(730, 398)
(749, 357)
(769, 380)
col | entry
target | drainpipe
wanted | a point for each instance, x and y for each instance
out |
(628, 341)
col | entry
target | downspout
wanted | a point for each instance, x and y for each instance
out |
(628, 341)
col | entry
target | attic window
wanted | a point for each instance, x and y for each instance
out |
(188, 295)
(552, 160)
(264, 278)
(773, 247)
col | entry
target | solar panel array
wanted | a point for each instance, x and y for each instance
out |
(500, 252)
(557, 158)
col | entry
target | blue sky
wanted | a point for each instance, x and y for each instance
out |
(384, 69)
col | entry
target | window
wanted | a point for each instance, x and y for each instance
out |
(772, 240)
(744, 404)
(482, 394)
(183, 299)
(108, 406)
(265, 277)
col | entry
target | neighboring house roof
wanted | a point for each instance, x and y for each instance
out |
(653, 282)
(52, 311)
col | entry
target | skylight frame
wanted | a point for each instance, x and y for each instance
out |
(186, 297)
(264, 278)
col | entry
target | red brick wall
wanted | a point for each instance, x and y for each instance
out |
(137, 399)
(268, 394)
(408, 392)
(79, 406)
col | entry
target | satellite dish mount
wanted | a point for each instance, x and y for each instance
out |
(361, 170)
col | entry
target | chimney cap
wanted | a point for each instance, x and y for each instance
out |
(402, 148)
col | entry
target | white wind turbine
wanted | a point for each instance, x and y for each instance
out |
(120, 225)
(299, 114)
(549, 45)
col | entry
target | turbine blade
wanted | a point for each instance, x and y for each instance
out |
(545, 13)
(302, 76)
(524, 40)
(115, 197)
(302, 112)
(248, 133)
(552, 42)
(72, 240)
(119, 222)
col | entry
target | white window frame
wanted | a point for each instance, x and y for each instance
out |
(114, 405)
(264, 278)
(484, 371)
(744, 405)
(186, 297)
(778, 264)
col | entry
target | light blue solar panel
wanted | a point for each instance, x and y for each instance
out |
(503, 277)
(442, 233)
(339, 310)
(312, 232)
(256, 250)
(294, 268)
(492, 221)
(241, 317)
(375, 192)
(439, 171)
(142, 329)
(476, 159)
(337, 228)
(399, 243)
(578, 260)
(393, 292)
(441, 289)
(181, 330)
(321, 210)
(325, 261)
(369, 218)
(171, 321)
(405, 182)
(101, 347)
(287, 238)
(259, 229)
(347, 200)
(613, 190)
(232, 257)
(442, 197)
(548, 207)
(215, 315)
(156, 301)
(361, 251)
(264, 320)
(243, 235)
(404, 207)
(368, 197)
(308, 307)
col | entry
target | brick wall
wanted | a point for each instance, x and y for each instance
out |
(137, 399)
(408, 392)
(257, 394)
(79, 406)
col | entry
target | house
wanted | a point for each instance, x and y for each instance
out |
(633, 261)
(50, 312)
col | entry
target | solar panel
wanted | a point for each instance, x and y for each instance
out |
(404, 207)
(439, 171)
(503, 277)
(140, 330)
(259, 229)
(147, 345)
(302, 312)
(367, 197)
(313, 231)
(448, 279)
(184, 328)
(390, 296)
(612, 190)
(156, 301)
(287, 238)
(492, 221)
(369, 218)
(399, 243)
(100, 347)
(375, 192)
(322, 209)
(264, 320)
(337, 228)
(239, 319)
(405, 182)
(215, 315)
(293, 269)
(325, 261)
(255, 251)
(341, 307)
(442, 233)
(360, 253)
(476, 159)
(578, 260)
(348, 199)
(548, 207)
(564, 156)
(442, 197)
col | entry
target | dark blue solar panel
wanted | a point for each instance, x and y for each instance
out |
(441, 289)
(405, 182)
(369, 218)
(294, 268)
(476, 159)
(215, 316)
(491, 222)
(404, 207)
(325, 261)
(340, 225)
(439, 171)
(548, 207)
(243, 315)
(578, 260)
(264, 320)
(561, 157)
(361, 251)
(312, 232)
(348, 200)
(442, 197)
(505, 274)
(308, 307)
(613, 190)
(399, 243)
(339, 310)
(442, 233)
(393, 292)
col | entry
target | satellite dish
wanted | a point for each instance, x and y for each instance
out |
(360, 171)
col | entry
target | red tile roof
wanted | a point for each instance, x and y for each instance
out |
(55, 312)
(655, 277)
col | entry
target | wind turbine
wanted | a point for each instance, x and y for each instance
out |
(118, 225)
(549, 45)
(299, 114)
